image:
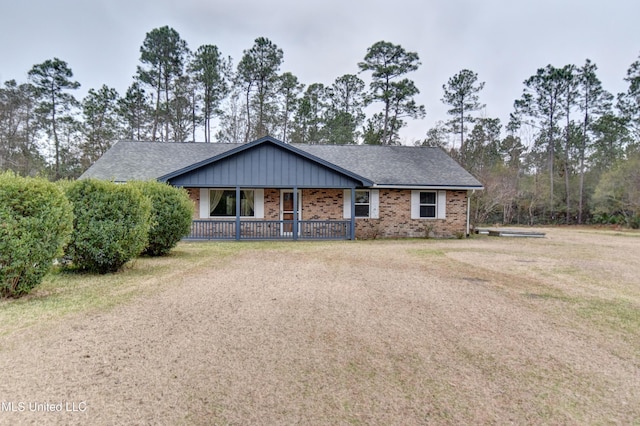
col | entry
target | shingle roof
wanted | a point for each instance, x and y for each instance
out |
(396, 165)
(383, 165)
(127, 160)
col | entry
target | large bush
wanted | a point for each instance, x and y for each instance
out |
(111, 224)
(171, 215)
(35, 223)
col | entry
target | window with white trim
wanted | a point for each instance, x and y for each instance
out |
(428, 204)
(362, 203)
(366, 203)
(222, 203)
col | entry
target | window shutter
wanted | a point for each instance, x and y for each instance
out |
(258, 203)
(374, 204)
(415, 204)
(204, 203)
(347, 204)
(442, 205)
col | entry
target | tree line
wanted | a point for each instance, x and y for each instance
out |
(565, 143)
(181, 95)
(570, 153)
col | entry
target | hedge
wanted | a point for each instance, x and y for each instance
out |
(171, 216)
(110, 227)
(35, 223)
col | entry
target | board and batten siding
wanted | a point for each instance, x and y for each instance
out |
(265, 166)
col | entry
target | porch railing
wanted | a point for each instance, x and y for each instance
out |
(270, 230)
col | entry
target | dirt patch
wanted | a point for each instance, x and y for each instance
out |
(486, 330)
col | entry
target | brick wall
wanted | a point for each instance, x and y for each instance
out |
(317, 204)
(395, 212)
(272, 204)
(322, 204)
(194, 195)
(395, 218)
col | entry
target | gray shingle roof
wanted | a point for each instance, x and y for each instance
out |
(384, 165)
(127, 160)
(396, 165)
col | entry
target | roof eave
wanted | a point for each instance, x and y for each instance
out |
(429, 186)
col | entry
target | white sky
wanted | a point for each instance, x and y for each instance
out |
(504, 41)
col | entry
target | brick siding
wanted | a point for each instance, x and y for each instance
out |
(395, 218)
(194, 195)
(322, 204)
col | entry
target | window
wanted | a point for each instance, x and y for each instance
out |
(428, 204)
(362, 203)
(222, 202)
(366, 203)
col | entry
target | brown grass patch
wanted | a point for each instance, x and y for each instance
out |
(486, 330)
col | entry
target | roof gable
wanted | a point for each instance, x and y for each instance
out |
(265, 162)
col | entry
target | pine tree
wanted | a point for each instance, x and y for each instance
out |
(387, 63)
(461, 94)
(163, 56)
(52, 80)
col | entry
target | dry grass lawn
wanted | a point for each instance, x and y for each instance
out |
(481, 331)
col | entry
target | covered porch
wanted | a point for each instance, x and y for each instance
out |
(267, 190)
(269, 214)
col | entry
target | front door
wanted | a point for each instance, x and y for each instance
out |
(287, 209)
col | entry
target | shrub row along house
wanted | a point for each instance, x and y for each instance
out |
(267, 189)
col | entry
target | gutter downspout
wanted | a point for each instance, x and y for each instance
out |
(469, 211)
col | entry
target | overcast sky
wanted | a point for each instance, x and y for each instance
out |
(504, 41)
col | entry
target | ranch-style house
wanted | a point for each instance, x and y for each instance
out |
(268, 189)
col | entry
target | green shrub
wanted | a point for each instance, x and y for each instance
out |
(111, 224)
(171, 215)
(35, 224)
